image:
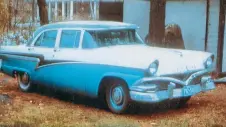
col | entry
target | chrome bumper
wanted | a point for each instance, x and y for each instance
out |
(186, 89)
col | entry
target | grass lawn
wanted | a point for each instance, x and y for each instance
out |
(38, 110)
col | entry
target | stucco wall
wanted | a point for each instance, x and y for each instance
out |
(213, 28)
(190, 15)
(224, 56)
(137, 12)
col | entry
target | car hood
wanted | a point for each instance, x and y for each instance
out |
(141, 56)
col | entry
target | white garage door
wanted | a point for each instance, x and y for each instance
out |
(224, 55)
(213, 28)
(190, 15)
(137, 12)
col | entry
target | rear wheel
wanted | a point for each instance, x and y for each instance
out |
(117, 97)
(24, 82)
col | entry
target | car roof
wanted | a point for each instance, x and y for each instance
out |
(88, 25)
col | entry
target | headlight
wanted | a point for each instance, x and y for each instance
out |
(153, 67)
(209, 62)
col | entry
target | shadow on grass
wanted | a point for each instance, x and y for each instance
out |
(134, 108)
(70, 97)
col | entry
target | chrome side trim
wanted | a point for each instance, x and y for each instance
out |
(26, 58)
(59, 63)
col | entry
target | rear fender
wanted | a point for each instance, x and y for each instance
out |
(12, 63)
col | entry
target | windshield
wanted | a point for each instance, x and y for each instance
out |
(115, 37)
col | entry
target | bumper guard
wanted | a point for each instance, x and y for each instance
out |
(186, 89)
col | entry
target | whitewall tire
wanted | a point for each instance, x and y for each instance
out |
(24, 82)
(117, 97)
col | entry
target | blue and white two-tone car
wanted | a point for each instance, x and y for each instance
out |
(107, 59)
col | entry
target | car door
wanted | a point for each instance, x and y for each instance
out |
(69, 43)
(68, 54)
(45, 44)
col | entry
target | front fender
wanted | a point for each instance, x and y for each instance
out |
(128, 78)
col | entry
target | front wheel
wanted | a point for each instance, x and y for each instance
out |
(117, 97)
(179, 103)
(24, 82)
(183, 102)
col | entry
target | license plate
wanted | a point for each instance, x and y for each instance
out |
(188, 91)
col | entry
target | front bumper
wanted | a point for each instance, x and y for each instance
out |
(186, 89)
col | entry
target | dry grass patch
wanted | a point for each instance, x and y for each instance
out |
(33, 109)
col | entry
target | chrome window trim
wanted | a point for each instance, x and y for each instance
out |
(58, 39)
(60, 33)
(139, 37)
(81, 38)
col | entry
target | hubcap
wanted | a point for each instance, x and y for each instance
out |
(25, 79)
(117, 95)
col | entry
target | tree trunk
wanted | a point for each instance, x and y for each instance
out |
(15, 13)
(220, 46)
(10, 14)
(43, 14)
(157, 22)
(33, 11)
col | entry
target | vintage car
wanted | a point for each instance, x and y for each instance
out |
(108, 60)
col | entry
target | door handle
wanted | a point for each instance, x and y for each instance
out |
(56, 50)
(31, 48)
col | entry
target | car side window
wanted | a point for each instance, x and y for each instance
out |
(88, 41)
(47, 39)
(39, 40)
(70, 39)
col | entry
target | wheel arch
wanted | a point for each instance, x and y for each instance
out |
(128, 79)
(105, 82)
(19, 70)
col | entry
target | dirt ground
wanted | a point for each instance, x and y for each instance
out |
(46, 108)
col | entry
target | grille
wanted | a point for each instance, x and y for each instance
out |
(182, 77)
(164, 85)
(196, 80)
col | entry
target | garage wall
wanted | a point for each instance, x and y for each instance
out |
(190, 15)
(213, 28)
(137, 12)
(224, 56)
